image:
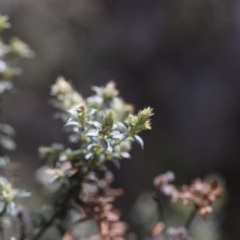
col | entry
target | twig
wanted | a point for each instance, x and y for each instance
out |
(2, 234)
(157, 198)
(190, 219)
(81, 220)
(46, 226)
(22, 216)
(58, 209)
(1, 215)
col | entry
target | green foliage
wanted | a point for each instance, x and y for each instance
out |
(100, 131)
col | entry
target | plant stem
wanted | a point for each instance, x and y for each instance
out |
(81, 220)
(23, 230)
(157, 198)
(2, 234)
(190, 218)
(60, 206)
(46, 226)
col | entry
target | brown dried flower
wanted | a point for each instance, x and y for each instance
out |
(178, 233)
(161, 182)
(202, 195)
(156, 229)
(61, 86)
(100, 208)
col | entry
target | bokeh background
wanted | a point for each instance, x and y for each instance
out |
(181, 57)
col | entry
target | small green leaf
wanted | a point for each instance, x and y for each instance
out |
(119, 136)
(4, 161)
(3, 181)
(22, 194)
(125, 155)
(122, 126)
(91, 111)
(106, 145)
(63, 158)
(7, 143)
(108, 120)
(73, 112)
(74, 138)
(72, 123)
(95, 124)
(91, 146)
(116, 162)
(3, 66)
(4, 22)
(76, 129)
(92, 133)
(7, 129)
(11, 208)
(88, 156)
(139, 141)
(96, 89)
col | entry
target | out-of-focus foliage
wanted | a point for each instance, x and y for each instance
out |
(9, 56)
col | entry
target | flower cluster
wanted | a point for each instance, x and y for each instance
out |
(102, 129)
(97, 197)
(107, 218)
(201, 194)
(65, 96)
(178, 233)
(162, 183)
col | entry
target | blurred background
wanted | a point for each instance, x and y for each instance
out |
(181, 57)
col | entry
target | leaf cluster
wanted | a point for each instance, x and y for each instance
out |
(101, 128)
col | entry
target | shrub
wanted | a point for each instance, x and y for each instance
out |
(102, 129)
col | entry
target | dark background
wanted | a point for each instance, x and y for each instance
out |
(181, 57)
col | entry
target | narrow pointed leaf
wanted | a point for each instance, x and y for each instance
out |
(139, 141)
(106, 145)
(72, 123)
